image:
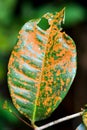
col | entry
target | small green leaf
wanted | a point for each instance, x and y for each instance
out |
(42, 67)
(84, 117)
(81, 127)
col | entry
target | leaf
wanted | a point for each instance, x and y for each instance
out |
(5, 115)
(76, 16)
(84, 117)
(81, 127)
(8, 38)
(6, 10)
(2, 73)
(42, 67)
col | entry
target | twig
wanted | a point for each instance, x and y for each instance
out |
(22, 120)
(59, 121)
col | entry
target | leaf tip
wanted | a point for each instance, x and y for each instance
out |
(62, 15)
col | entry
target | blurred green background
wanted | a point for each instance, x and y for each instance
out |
(13, 14)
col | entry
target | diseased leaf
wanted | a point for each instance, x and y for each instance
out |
(42, 67)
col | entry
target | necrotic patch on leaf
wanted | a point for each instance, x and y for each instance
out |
(42, 67)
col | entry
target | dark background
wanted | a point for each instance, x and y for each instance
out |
(13, 14)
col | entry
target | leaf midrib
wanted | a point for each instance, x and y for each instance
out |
(37, 95)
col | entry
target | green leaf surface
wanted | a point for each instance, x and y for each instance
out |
(84, 117)
(6, 10)
(8, 38)
(76, 16)
(42, 67)
(81, 127)
(5, 114)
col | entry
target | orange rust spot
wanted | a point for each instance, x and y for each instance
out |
(19, 43)
(56, 99)
(64, 89)
(48, 89)
(18, 54)
(58, 73)
(62, 53)
(48, 111)
(47, 101)
(58, 92)
(57, 46)
(50, 81)
(62, 82)
(38, 103)
(67, 81)
(49, 74)
(21, 31)
(11, 61)
(52, 60)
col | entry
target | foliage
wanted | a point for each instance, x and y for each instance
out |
(84, 117)
(38, 76)
(10, 22)
(81, 127)
(74, 13)
(6, 10)
(7, 116)
(13, 14)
